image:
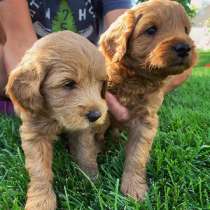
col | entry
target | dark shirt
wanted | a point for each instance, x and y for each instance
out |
(81, 16)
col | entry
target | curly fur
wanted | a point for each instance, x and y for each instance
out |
(47, 107)
(138, 64)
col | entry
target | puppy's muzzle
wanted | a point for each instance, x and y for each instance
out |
(181, 49)
(92, 116)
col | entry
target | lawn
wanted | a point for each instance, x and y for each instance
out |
(178, 171)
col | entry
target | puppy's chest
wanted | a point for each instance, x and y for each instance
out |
(137, 95)
(130, 93)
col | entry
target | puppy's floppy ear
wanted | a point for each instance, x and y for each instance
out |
(113, 43)
(24, 86)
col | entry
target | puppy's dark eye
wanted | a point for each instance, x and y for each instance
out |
(71, 84)
(151, 31)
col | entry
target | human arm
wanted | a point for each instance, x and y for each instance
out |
(16, 21)
(176, 81)
(111, 16)
(112, 9)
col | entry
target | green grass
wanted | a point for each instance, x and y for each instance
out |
(178, 171)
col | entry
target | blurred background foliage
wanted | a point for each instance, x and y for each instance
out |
(186, 3)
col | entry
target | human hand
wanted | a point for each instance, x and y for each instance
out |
(120, 112)
(176, 80)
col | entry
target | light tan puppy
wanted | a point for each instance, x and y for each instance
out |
(142, 48)
(58, 86)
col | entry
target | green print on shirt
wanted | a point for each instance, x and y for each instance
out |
(64, 19)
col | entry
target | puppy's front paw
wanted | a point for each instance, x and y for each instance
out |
(134, 186)
(41, 202)
(91, 171)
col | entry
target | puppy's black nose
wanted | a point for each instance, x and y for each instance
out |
(93, 115)
(182, 49)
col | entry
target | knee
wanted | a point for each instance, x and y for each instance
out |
(3, 75)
